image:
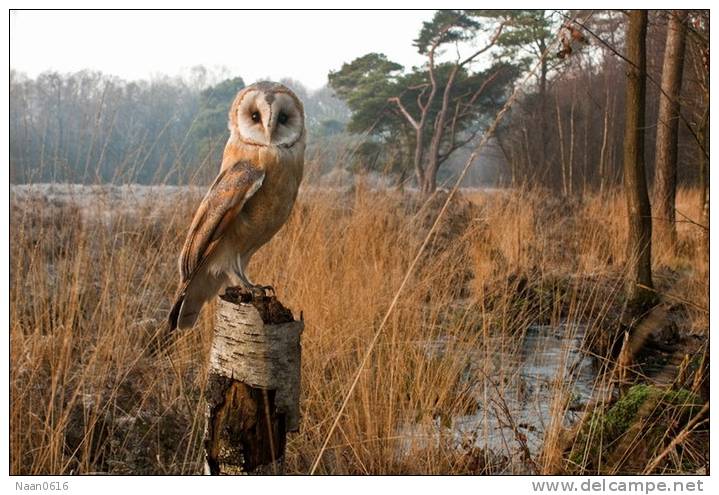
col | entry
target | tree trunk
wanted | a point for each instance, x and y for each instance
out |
(430, 182)
(418, 166)
(603, 151)
(544, 69)
(570, 163)
(565, 190)
(665, 182)
(437, 135)
(252, 394)
(639, 238)
(703, 134)
(585, 166)
(509, 159)
(530, 168)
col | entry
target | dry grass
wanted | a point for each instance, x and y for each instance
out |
(86, 296)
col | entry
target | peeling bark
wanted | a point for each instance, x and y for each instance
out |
(253, 387)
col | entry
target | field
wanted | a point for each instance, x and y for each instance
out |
(512, 276)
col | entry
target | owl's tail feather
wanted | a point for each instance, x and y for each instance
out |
(175, 313)
(190, 298)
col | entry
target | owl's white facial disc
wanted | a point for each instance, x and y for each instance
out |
(269, 117)
(252, 118)
(287, 121)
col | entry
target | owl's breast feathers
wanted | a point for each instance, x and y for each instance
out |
(269, 208)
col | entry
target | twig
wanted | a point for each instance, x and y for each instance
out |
(676, 298)
(678, 439)
(689, 220)
(519, 437)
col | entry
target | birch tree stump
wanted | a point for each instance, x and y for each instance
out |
(253, 390)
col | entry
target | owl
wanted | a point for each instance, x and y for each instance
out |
(248, 202)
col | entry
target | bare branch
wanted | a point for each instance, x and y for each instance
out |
(489, 45)
(452, 129)
(403, 110)
(431, 67)
(479, 92)
(455, 146)
(423, 108)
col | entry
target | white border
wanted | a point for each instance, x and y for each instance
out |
(123, 485)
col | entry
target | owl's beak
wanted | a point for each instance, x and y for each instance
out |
(270, 127)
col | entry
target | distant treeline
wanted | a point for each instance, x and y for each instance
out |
(90, 127)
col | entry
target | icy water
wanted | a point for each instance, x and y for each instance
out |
(521, 385)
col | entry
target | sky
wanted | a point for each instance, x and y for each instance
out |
(303, 45)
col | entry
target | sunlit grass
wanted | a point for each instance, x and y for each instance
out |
(89, 290)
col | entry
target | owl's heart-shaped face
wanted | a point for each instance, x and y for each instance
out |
(267, 114)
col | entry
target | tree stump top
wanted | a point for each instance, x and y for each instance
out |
(270, 309)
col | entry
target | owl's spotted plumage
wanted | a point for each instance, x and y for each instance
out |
(248, 202)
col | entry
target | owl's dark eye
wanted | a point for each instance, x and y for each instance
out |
(282, 118)
(255, 117)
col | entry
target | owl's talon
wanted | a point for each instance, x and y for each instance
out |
(263, 290)
(270, 289)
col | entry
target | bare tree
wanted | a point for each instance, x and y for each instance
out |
(639, 241)
(700, 45)
(446, 119)
(665, 181)
(704, 178)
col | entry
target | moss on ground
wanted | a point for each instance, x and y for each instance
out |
(625, 436)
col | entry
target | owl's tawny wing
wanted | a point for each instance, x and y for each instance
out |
(221, 205)
(225, 199)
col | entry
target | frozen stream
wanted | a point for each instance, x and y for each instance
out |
(520, 392)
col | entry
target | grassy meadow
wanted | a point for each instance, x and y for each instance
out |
(90, 285)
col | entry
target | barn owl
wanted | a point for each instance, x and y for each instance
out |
(248, 202)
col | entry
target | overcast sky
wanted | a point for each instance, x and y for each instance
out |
(303, 45)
